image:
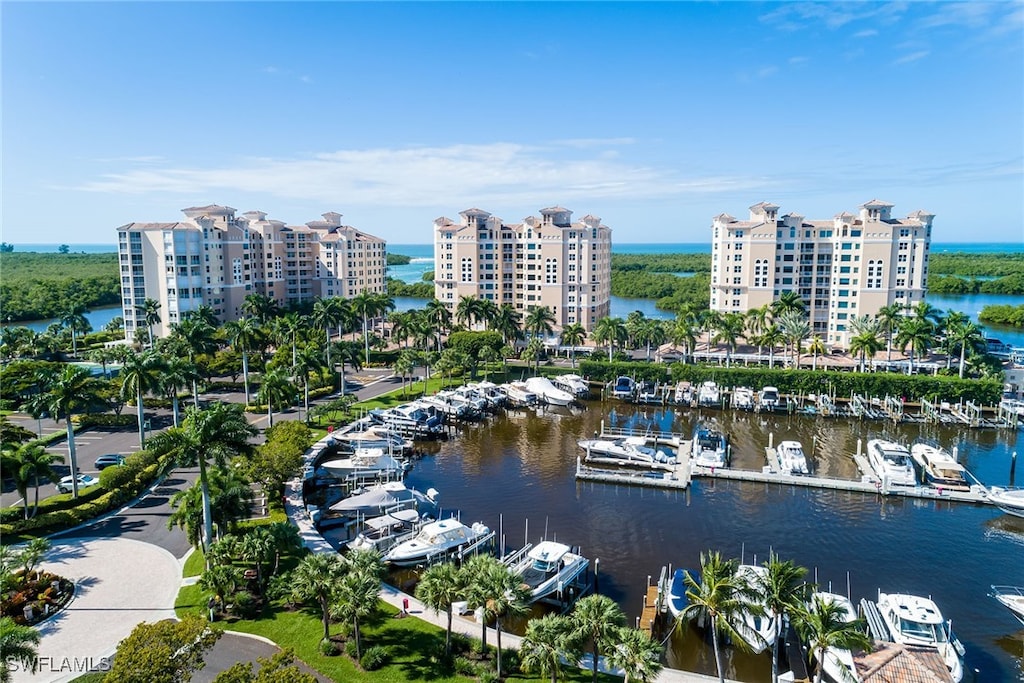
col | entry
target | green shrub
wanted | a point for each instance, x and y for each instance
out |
(140, 460)
(375, 658)
(328, 648)
(350, 648)
(510, 660)
(466, 667)
(245, 605)
(488, 676)
(105, 420)
(115, 477)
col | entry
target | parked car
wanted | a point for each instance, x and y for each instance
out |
(108, 460)
(84, 481)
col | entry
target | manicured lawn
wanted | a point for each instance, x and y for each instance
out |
(195, 564)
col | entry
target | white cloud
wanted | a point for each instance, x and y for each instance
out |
(583, 143)
(912, 57)
(796, 16)
(866, 33)
(766, 71)
(798, 60)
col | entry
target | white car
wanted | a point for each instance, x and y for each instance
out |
(84, 481)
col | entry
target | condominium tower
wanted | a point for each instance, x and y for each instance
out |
(216, 258)
(848, 266)
(548, 261)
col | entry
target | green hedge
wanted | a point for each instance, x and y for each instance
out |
(105, 420)
(789, 381)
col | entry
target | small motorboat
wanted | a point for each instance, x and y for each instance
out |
(791, 457)
(743, 398)
(891, 462)
(384, 532)
(519, 395)
(683, 394)
(915, 620)
(709, 394)
(709, 448)
(677, 599)
(838, 663)
(939, 468)
(761, 628)
(437, 540)
(1010, 501)
(624, 387)
(574, 384)
(630, 449)
(1011, 597)
(768, 399)
(366, 464)
(548, 568)
(383, 498)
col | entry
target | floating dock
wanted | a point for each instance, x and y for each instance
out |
(675, 477)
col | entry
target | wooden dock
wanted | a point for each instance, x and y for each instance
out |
(650, 612)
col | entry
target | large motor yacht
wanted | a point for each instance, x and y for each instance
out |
(548, 568)
(915, 620)
(891, 462)
(940, 469)
(437, 540)
(1010, 501)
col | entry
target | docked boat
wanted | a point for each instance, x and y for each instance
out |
(384, 532)
(683, 395)
(624, 387)
(549, 568)
(838, 662)
(548, 392)
(677, 599)
(632, 449)
(761, 628)
(891, 462)
(791, 457)
(939, 468)
(1010, 501)
(743, 398)
(915, 620)
(437, 540)
(366, 464)
(1012, 598)
(574, 384)
(375, 437)
(519, 395)
(709, 394)
(647, 392)
(383, 498)
(709, 448)
(768, 399)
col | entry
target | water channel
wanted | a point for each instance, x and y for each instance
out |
(521, 467)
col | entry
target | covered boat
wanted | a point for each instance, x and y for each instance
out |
(939, 468)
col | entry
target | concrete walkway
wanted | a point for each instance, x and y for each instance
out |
(118, 583)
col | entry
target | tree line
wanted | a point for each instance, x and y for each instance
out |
(1012, 316)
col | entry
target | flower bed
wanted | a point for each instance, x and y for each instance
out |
(36, 596)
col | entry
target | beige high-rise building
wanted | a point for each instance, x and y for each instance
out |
(217, 259)
(844, 267)
(548, 261)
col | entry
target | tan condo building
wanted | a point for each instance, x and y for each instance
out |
(216, 258)
(548, 261)
(844, 267)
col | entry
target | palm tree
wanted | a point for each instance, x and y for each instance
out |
(73, 318)
(866, 343)
(192, 337)
(36, 460)
(966, 335)
(257, 547)
(716, 600)
(71, 390)
(18, 644)
(150, 310)
(261, 307)
(439, 317)
(140, 375)
(307, 362)
(545, 643)
(402, 323)
(230, 496)
(467, 310)
(729, 329)
(539, 321)
(596, 620)
(244, 334)
(327, 313)
(218, 433)
(287, 328)
(347, 352)
(486, 312)
(177, 373)
(888, 318)
(633, 322)
(438, 588)
(476, 589)
(782, 591)
(103, 355)
(917, 335)
(19, 471)
(611, 331)
(573, 335)
(816, 347)
(757, 321)
(509, 598)
(534, 351)
(506, 321)
(317, 578)
(650, 332)
(788, 301)
(275, 387)
(365, 306)
(926, 312)
(795, 327)
(405, 364)
(637, 654)
(824, 625)
(356, 597)
(684, 332)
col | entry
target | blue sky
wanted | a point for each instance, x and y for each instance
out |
(655, 117)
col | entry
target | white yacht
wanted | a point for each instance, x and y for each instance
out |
(708, 394)
(365, 464)
(623, 387)
(768, 399)
(743, 398)
(548, 392)
(761, 630)
(709, 448)
(384, 532)
(914, 620)
(683, 394)
(548, 568)
(383, 498)
(891, 462)
(647, 392)
(630, 449)
(519, 395)
(574, 384)
(375, 437)
(1010, 501)
(791, 457)
(838, 663)
(437, 540)
(940, 469)
(1011, 597)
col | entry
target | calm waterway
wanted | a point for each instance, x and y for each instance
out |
(522, 467)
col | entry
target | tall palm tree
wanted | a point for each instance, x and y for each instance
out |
(917, 335)
(140, 374)
(757, 321)
(438, 588)
(356, 596)
(346, 352)
(317, 578)
(573, 335)
(244, 334)
(729, 329)
(288, 328)
(509, 598)
(486, 312)
(506, 322)
(539, 322)
(816, 347)
(864, 344)
(192, 337)
(650, 332)
(15, 467)
(966, 335)
(633, 322)
(795, 327)
(788, 301)
(275, 387)
(637, 654)
(307, 362)
(596, 621)
(261, 307)
(684, 332)
(327, 313)
(402, 323)
(150, 310)
(230, 497)
(717, 600)
(926, 312)
(365, 306)
(204, 312)
(611, 331)
(73, 318)
(467, 311)
(545, 644)
(473, 578)
(440, 317)
(824, 625)
(888, 318)
(177, 373)
(405, 364)
(782, 591)
(218, 434)
(18, 644)
(772, 337)
(533, 352)
(71, 390)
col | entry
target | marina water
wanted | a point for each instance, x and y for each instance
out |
(521, 467)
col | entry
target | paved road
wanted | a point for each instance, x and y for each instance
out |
(233, 648)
